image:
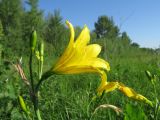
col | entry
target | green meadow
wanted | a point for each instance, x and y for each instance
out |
(72, 96)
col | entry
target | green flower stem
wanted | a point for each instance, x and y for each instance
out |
(30, 69)
(34, 93)
(41, 68)
(36, 109)
(44, 77)
(35, 104)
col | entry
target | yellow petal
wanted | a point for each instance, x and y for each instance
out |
(132, 94)
(74, 59)
(103, 81)
(94, 63)
(69, 50)
(76, 70)
(83, 38)
(110, 86)
(106, 86)
(72, 34)
(80, 56)
(127, 91)
(92, 50)
(139, 97)
(98, 63)
(87, 57)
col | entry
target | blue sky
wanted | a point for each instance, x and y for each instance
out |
(139, 18)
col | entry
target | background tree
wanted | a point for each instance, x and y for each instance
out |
(11, 12)
(105, 27)
(32, 20)
(134, 44)
(55, 31)
(126, 41)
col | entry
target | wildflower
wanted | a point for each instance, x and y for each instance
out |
(79, 57)
(106, 86)
(129, 92)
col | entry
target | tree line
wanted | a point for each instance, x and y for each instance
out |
(18, 21)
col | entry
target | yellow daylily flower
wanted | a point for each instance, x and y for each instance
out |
(106, 86)
(129, 92)
(110, 86)
(79, 57)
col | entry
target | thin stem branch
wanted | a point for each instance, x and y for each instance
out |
(44, 77)
(34, 94)
(30, 69)
(40, 69)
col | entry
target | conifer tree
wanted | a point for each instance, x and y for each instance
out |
(105, 27)
(32, 20)
(55, 30)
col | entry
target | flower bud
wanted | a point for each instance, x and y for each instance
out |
(33, 40)
(22, 104)
(37, 55)
(41, 50)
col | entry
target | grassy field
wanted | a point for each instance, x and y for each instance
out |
(68, 97)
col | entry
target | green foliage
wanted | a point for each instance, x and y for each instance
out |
(1, 30)
(10, 88)
(134, 113)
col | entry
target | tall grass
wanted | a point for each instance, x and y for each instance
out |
(68, 97)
